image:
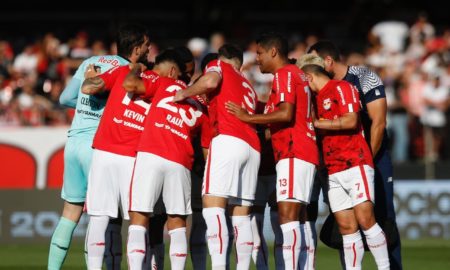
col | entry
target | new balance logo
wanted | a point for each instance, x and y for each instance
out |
(98, 244)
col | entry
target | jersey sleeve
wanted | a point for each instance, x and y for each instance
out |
(70, 94)
(374, 88)
(151, 85)
(284, 87)
(110, 76)
(214, 66)
(348, 98)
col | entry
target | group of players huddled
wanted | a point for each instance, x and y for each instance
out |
(141, 133)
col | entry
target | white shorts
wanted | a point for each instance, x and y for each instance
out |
(351, 187)
(264, 188)
(294, 180)
(154, 175)
(109, 184)
(231, 169)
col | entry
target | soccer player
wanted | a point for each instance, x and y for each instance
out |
(233, 158)
(163, 163)
(373, 117)
(131, 45)
(115, 147)
(156, 248)
(288, 113)
(349, 164)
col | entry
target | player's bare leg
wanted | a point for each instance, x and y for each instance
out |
(290, 226)
(243, 236)
(176, 226)
(217, 231)
(136, 245)
(260, 251)
(375, 237)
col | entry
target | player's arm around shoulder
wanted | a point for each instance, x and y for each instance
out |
(93, 83)
(205, 84)
(133, 82)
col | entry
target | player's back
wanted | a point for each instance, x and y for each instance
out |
(170, 126)
(89, 109)
(235, 88)
(123, 119)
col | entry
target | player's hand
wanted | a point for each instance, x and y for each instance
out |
(179, 96)
(236, 110)
(90, 72)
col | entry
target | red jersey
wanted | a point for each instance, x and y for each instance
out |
(342, 149)
(296, 138)
(123, 118)
(234, 87)
(170, 126)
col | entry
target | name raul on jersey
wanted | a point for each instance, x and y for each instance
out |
(174, 120)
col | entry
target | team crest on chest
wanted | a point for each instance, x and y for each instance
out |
(327, 104)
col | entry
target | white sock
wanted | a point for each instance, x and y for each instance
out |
(311, 234)
(291, 244)
(259, 253)
(178, 248)
(244, 241)
(353, 250)
(303, 256)
(376, 240)
(157, 256)
(95, 241)
(113, 247)
(136, 246)
(217, 236)
(278, 245)
(197, 241)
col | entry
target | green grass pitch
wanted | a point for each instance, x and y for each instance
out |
(420, 254)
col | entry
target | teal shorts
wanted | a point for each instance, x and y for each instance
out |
(77, 162)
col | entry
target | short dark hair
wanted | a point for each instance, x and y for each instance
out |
(231, 51)
(274, 40)
(128, 37)
(185, 54)
(315, 69)
(170, 55)
(326, 48)
(208, 58)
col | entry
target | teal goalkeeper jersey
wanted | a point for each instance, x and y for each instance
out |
(88, 108)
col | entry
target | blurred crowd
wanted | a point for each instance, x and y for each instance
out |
(412, 60)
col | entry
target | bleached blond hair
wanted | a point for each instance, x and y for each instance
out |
(310, 59)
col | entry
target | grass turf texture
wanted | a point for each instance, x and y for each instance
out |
(420, 254)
